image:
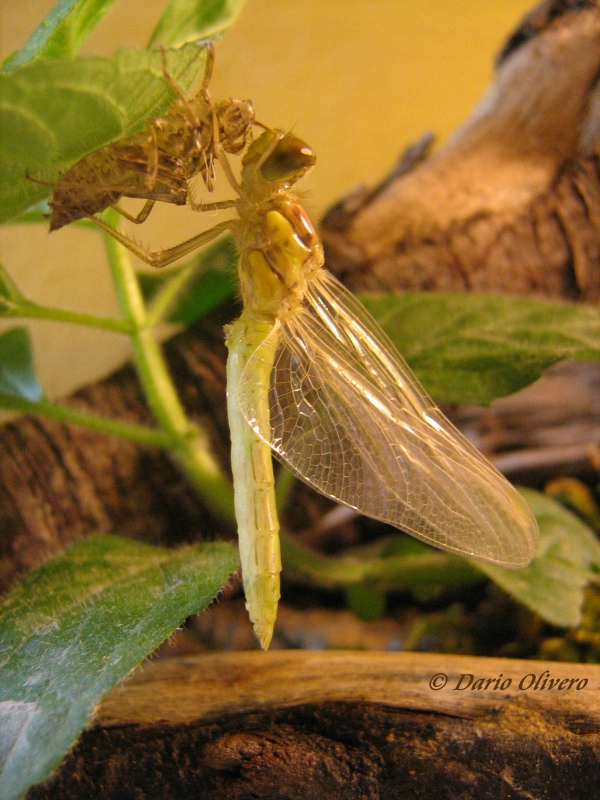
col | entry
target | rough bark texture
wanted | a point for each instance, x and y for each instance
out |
(512, 202)
(337, 725)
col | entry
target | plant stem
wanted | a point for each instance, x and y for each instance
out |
(187, 441)
(161, 303)
(35, 311)
(140, 434)
(284, 482)
(401, 572)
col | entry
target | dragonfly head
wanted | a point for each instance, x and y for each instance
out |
(279, 158)
(235, 120)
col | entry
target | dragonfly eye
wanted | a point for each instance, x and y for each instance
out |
(290, 159)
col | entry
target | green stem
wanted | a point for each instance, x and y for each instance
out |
(34, 311)
(187, 442)
(167, 294)
(207, 476)
(401, 572)
(135, 433)
(283, 486)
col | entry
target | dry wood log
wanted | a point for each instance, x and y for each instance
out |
(341, 725)
(550, 428)
(511, 203)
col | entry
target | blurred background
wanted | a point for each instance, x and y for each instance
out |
(358, 80)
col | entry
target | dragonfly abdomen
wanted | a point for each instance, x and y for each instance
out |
(252, 467)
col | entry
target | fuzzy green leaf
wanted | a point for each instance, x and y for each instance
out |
(38, 213)
(17, 370)
(568, 558)
(52, 113)
(189, 20)
(78, 625)
(61, 33)
(472, 348)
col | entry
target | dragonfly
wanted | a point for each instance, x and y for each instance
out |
(156, 164)
(312, 378)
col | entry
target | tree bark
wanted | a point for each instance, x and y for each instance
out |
(305, 725)
(511, 203)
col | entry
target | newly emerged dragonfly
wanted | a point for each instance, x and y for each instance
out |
(313, 378)
(158, 162)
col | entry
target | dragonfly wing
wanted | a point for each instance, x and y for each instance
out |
(350, 419)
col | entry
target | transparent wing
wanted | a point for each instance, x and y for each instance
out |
(350, 419)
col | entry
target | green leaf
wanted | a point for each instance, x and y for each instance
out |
(10, 294)
(189, 20)
(472, 348)
(38, 213)
(17, 370)
(52, 113)
(61, 33)
(366, 602)
(212, 282)
(568, 558)
(78, 625)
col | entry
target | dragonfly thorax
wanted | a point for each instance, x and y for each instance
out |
(279, 261)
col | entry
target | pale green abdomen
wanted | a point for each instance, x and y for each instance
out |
(252, 467)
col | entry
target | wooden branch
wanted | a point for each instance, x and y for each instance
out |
(338, 724)
(512, 202)
(550, 428)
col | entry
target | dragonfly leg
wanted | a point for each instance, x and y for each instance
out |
(185, 103)
(210, 63)
(218, 205)
(221, 155)
(161, 258)
(206, 78)
(152, 173)
(40, 181)
(224, 162)
(190, 199)
(169, 79)
(142, 216)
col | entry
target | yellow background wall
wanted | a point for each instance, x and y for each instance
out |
(358, 79)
